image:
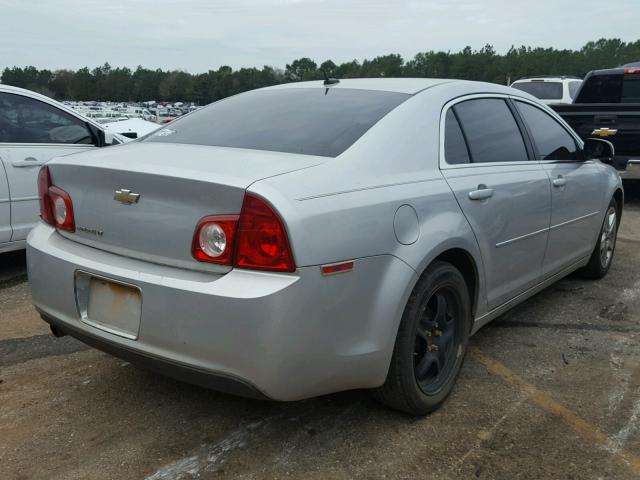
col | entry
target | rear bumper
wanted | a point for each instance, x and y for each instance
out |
(632, 171)
(280, 336)
(186, 373)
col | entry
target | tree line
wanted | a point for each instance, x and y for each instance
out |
(142, 84)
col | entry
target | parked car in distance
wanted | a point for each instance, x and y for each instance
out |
(309, 238)
(33, 130)
(550, 89)
(608, 106)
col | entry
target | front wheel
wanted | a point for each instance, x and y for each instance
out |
(602, 255)
(431, 343)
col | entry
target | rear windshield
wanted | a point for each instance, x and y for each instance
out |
(309, 121)
(601, 89)
(542, 90)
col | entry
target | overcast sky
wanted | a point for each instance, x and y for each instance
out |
(198, 35)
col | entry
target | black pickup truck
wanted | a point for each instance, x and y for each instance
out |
(607, 106)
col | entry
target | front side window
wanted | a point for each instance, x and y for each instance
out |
(455, 147)
(541, 89)
(552, 141)
(27, 120)
(308, 121)
(491, 130)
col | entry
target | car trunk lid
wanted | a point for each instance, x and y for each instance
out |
(144, 200)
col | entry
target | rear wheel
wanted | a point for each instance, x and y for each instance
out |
(602, 255)
(431, 342)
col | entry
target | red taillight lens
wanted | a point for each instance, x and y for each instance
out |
(631, 71)
(56, 207)
(214, 239)
(262, 239)
(255, 239)
(46, 210)
(62, 208)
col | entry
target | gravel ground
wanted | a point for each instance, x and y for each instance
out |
(549, 390)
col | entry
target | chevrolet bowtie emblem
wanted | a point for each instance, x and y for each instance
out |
(126, 196)
(604, 132)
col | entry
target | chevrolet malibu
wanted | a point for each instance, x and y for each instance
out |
(314, 237)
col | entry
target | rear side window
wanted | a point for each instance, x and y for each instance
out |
(631, 89)
(491, 130)
(455, 147)
(552, 141)
(601, 89)
(541, 89)
(310, 121)
(27, 120)
(573, 88)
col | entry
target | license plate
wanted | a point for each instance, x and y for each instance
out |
(109, 305)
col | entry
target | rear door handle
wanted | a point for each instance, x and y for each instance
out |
(559, 182)
(27, 162)
(482, 193)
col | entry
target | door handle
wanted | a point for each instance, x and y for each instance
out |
(27, 162)
(559, 182)
(481, 193)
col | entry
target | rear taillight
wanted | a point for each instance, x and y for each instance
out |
(214, 239)
(631, 71)
(56, 207)
(262, 239)
(44, 182)
(255, 239)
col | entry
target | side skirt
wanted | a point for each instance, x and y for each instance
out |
(496, 312)
(11, 246)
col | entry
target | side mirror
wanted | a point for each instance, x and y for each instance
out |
(109, 139)
(104, 138)
(597, 148)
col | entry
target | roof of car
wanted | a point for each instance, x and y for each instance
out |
(399, 85)
(22, 91)
(411, 86)
(548, 77)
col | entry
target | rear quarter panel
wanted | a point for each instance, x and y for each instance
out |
(345, 208)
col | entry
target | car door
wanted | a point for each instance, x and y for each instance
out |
(33, 132)
(576, 192)
(503, 194)
(5, 208)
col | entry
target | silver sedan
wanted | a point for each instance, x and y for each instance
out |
(309, 238)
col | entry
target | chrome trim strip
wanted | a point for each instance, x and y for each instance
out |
(5, 200)
(537, 232)
(574, 220)
(24, 199)
(522, 237)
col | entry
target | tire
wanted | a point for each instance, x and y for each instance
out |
(431, 342)
(602, 255)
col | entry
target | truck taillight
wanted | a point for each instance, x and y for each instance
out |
(256, 239)
(56, 207)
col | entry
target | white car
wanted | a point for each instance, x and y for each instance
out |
(33, 130)
(550, 90)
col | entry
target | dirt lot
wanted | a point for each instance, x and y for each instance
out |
(549, 390)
